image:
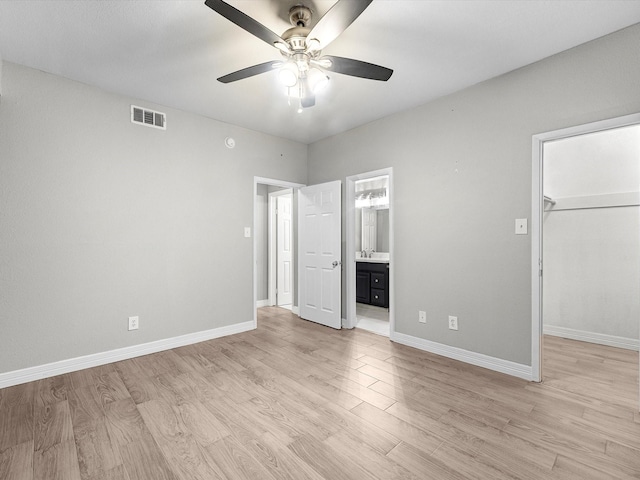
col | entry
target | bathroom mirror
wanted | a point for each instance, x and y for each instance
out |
(372, 215)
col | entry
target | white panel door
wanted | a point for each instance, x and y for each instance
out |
(319, 253)
(284, 242)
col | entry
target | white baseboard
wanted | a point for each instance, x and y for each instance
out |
(478, 359)
(592, 337)
(263, 303)
(16, 377)
(295, 309)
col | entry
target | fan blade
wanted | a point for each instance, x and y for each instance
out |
(336, 20)
(250, 71)
(356, 68)
(244, 21)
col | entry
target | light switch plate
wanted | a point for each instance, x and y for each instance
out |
(247, 232)
(521, 226)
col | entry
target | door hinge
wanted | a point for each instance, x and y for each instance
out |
(540, 266)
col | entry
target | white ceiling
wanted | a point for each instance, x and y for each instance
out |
(171, 52)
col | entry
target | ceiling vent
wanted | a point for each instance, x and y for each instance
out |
(149, 118)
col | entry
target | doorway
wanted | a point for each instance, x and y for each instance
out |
(574, 194)
(265, 264)
(369, 252)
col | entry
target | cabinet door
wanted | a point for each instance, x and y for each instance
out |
(377, 297)
(362, 287)
(378, 280)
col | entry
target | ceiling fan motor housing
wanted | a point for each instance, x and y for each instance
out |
(296, 38)
(300, 16)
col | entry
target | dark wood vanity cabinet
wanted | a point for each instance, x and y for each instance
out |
(372, 283)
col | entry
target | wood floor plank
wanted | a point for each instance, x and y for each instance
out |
(124, 423)
(22, 394)
(235, 462)
(423, 465)
(472, 464)
(16, 425)
(328, 462)
(379, 466)
(296, 400)
(111, 388)
(89, 376)
(331, 417)
(97, 453)
(360, 378)
(16, 463)
(280, 461)
(177, 444)
(52, 425)
(143, 459)
(409, 432)
(612, 427)
(405, 391)
(334, 394)
(569, 468)
(58, 462)
(85, 405)
(363, 393)
(118, 473)
(568, 439)
(205, 427)
(524, 459)
(52, 390)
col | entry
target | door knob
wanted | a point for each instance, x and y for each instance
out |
(336, 263)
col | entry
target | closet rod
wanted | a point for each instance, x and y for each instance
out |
(550, 200)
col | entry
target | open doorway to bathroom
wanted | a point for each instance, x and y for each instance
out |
(369, 252)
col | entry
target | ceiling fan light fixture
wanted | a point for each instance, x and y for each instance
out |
(318, 81)
(313, 44)
(289, 74)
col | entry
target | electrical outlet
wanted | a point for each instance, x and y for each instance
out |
(133, 323)
(422, 316)
(453, 323)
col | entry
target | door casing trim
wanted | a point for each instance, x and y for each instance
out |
(254, 255)
(350, 256)
(537, 209)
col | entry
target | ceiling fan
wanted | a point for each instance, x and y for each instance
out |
(303, 67)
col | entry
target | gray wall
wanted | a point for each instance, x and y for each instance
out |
(591, 271)
(462, 174)
(102, 219)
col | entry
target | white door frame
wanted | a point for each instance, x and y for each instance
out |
(256, 182)
(350, 255)
(537, 209)
(273, 248)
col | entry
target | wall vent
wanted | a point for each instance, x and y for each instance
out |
(149, 118)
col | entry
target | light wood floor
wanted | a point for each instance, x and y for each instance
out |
(294, 400)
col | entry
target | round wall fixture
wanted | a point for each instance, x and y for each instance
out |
(229, 142)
